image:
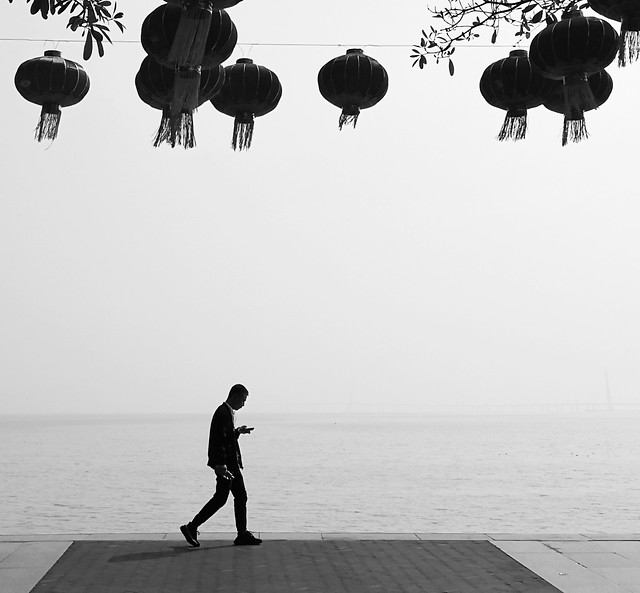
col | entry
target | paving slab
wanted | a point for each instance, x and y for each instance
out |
(24, 566)
(581, 547)
(566, 574)
(46, 537)
(451, 536)
(626, 578)
(8, 548)
(275, 535)
(204, 536)
(125, 536)
(370, 536)
(312, 566)
(628, 549)
(613, 536)
(538, 536)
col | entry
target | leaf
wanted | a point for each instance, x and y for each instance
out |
(88, 47)
(99, 43)
(494, 36)
(537, 17)
(423, 62)
(451, 67)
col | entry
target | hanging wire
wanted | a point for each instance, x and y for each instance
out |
(262, 44)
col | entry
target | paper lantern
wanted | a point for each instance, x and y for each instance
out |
(160, 38)
(53, 82)
(513, 84)
(570, 50)
(155, 85)
(249, 91)
(627, 13)
(574, 128)
(353, 82)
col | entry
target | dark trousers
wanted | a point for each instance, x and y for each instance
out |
(223, 487)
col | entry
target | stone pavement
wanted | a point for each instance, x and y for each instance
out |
(319, 563)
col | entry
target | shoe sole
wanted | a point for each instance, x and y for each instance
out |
(187, 536)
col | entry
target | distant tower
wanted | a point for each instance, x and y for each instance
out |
(609, 400)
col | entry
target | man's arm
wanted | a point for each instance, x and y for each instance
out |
(218, 435)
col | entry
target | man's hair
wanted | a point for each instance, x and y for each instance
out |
(238, 389)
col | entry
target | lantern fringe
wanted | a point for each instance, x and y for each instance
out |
(348, 119)
(176, 129)
(48, 124)
(574, 130)
(514, 126)
(629, 47)
(578, 98)
(190, 41)
(242, 134)
(186, 90)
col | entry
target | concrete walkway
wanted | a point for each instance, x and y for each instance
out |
(320, 563)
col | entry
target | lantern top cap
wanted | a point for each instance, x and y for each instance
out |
(571, 13)
(355, 50)
(244, 61)
(518, 53)
(54, 53)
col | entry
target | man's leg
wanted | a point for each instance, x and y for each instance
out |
(218, 500)
(245, 538)
(239, 501)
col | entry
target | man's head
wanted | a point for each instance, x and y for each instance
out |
(237, 396)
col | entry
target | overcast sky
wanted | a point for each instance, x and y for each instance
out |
(411, 262)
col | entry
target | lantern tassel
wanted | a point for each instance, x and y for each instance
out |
(242, 132)
(186, 90)
(514, 126)
(578, 98)
(349, 116)
(176, 129)
(189, 43)
(574, 130)
(164, 131)
(629, 47)
(49, 123)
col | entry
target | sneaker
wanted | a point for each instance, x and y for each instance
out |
(190, 534)
(247, 539)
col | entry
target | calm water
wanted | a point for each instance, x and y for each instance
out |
(448, 474)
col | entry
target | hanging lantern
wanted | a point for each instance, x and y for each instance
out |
(160, 33)
(249, 91)
(574, 128)
(514, 85)
(155, 86)
(53, 82)
(353, 82)
(570, 50)
(627, 13)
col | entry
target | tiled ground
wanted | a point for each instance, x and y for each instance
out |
(573, 563)
(281, 566)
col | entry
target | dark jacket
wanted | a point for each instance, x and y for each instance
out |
(223, 440)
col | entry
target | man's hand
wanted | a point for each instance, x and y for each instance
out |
(223, 472)
(245, 429)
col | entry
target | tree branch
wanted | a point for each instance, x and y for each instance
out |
(92, 17)
(463, 21)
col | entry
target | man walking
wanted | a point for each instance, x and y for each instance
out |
(226, 461)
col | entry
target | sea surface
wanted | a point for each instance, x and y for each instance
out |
(538, 474)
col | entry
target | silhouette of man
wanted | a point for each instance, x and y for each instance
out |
(226, 461)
